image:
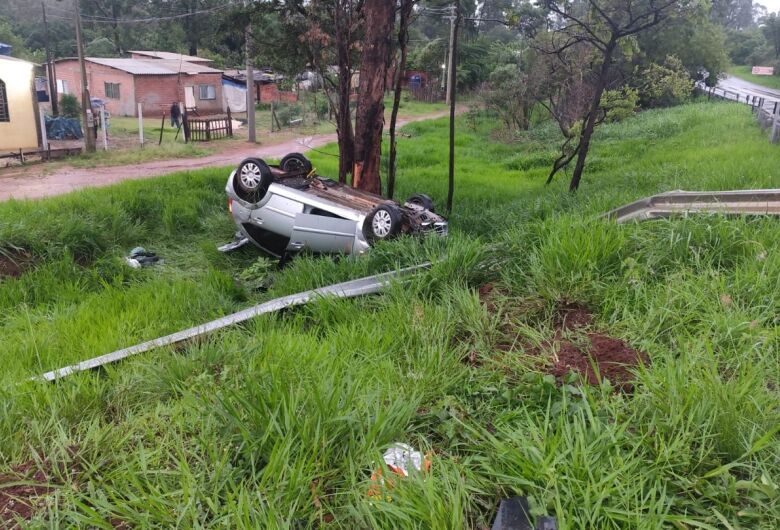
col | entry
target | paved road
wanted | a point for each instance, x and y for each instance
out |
(33, 182)
(735, 84)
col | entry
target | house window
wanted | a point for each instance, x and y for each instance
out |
(4, 115)
(112, 90)
(207, 92)
(62, 86)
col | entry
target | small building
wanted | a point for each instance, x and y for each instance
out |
(266, 87)
(155, 83)
(19, 121)
(170, 56)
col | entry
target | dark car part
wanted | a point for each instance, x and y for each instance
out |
(296, 163)
(252, 179)
(514, 514)
(422, 200)
(383, 223)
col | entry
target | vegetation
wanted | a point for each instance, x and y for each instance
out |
(280, 422)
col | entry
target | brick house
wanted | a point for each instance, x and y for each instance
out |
(155, 83)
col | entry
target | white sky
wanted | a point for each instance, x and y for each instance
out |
(772, 6)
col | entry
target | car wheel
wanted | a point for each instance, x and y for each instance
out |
(384, 222)
(420, 199)
(296, 163)
(252, 179)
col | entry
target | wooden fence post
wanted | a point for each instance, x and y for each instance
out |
(141, 124)
(775, 125)
(162, 126)
(186, 125)
(229, 123)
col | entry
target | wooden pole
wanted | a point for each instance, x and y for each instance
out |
(103, 127)
(86, 104)
(775, 125)
(453, 35)
(250, 86)
(141, 124)
(451, 91)
(162, 126)
(50, 66)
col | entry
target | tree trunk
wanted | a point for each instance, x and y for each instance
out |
(403, 40)
(452, 90)
(590, 123)
(344, 129)
(378, 21)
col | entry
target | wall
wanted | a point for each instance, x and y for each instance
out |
(21, 131)
(157, 92)
(270, 92)
(97, 76)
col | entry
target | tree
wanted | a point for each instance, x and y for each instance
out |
(379, 16)
(771, 30)
(605, 25)
(404, 19)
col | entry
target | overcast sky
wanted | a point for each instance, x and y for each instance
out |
(772, 6)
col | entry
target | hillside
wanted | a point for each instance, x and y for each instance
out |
(481, 362)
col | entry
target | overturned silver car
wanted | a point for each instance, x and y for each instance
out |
(288, 208)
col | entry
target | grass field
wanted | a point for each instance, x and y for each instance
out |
(744, 72)
(279, 423)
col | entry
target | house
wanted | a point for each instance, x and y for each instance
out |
(155, 83)
(19, 120)
(266, 88)
(136, 54)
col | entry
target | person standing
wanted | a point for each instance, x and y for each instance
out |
(175, 115)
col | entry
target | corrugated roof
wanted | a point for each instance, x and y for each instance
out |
(172, 56)
(153, 66)
(9, 58)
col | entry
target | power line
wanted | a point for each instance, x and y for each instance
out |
(108, 20)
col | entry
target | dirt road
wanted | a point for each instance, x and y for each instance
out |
(33, 182)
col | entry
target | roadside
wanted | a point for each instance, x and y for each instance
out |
(745, 73)
(39, 181)
(743, 86)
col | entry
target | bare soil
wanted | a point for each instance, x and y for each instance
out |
(13, 264)
(574, 346)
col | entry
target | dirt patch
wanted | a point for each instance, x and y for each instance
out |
(574, 345)
(605, 357)
(21, 494)
(23, 491)
(14, 263)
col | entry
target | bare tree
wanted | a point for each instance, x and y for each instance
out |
(604, 24)
(404, 18)
(378, 19)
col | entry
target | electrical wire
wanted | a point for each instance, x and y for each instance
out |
(108, 20)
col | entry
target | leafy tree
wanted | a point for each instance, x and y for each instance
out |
(507, 96)
(771, 30)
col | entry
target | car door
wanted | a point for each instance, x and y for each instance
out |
(321, 233)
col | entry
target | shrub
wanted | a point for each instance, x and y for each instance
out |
(665, 84)
(619, 104)
(69, 106)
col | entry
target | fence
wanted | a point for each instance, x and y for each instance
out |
(767, 111)
(428, 94)
(207, 128)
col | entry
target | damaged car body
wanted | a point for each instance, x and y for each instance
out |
(287, 208)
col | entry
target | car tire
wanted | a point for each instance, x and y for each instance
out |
(420, 199)
(252, 179)
(295, 163)
(383, 223)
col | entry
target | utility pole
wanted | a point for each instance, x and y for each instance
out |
(50, 66)
(453, 35)
(250, 85)
(451, 101)
(86, 105)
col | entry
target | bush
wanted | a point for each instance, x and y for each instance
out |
(665, 84)
(69, 106)
(619, 104)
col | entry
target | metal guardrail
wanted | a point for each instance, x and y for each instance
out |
(350, 289)
(679, 202)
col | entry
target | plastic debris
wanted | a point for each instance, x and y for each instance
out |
(60, 128)
(400, 458)
(140, 257)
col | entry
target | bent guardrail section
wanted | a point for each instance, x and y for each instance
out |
(350, 289)
(679, 202)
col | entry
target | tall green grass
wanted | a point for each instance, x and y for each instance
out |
(279, 423)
